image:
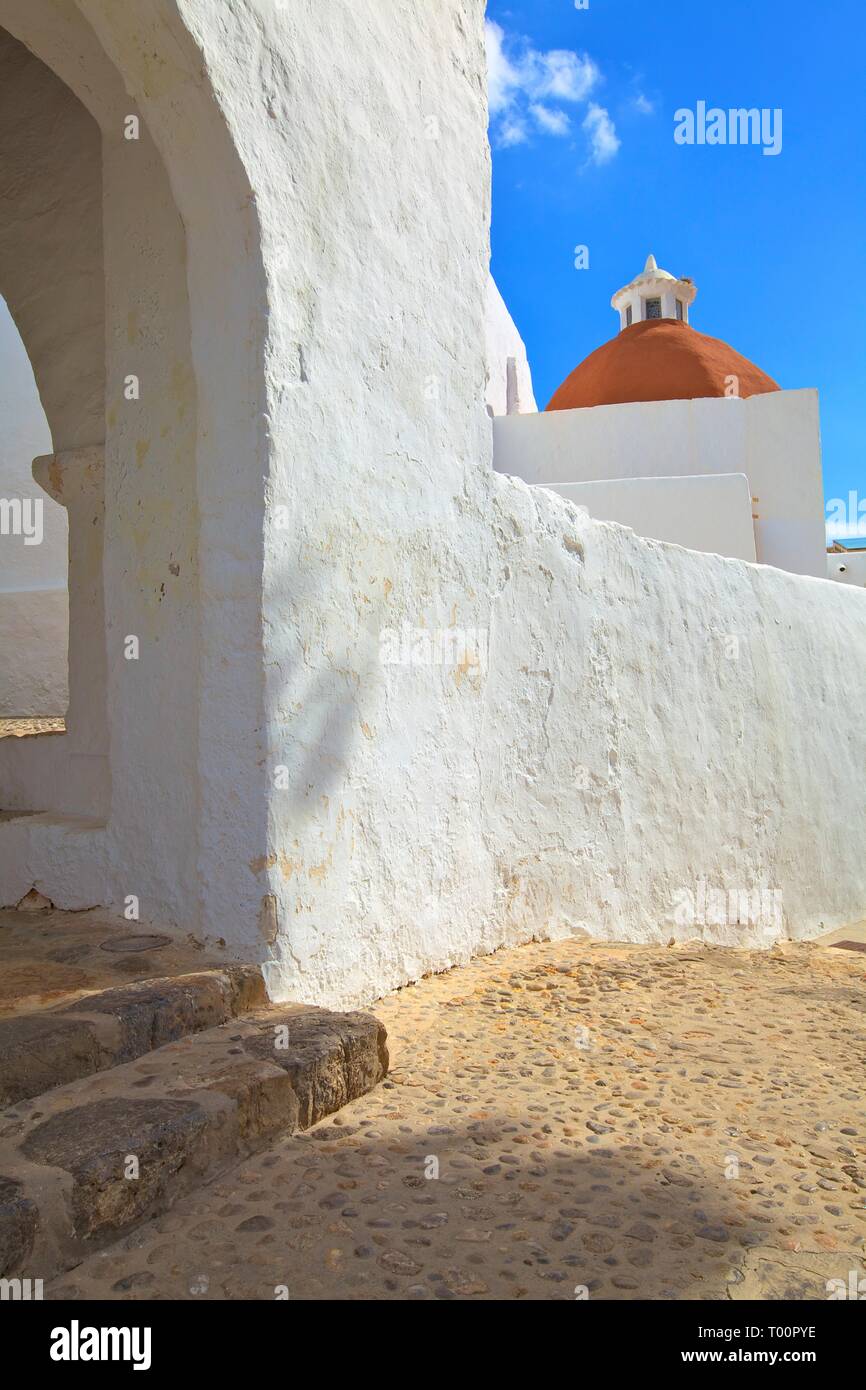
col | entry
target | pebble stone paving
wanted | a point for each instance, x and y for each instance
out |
(562, 1121)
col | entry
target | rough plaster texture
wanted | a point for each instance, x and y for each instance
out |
(509, 382)
(774, 439)
(289, 261)
(685, 765)
(712, 514)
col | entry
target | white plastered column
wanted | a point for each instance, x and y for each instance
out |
(76, 479)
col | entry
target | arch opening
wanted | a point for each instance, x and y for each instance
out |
(34, 608)
(138, 798)
(52, 408)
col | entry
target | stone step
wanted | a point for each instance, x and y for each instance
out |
(84, 1164)
(111, 1026)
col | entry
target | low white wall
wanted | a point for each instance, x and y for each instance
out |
(848, 569)
(656, 719)
(641, 732)
(712, 514)
(774, 439)
(34, 624)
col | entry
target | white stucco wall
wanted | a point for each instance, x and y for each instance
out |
(288, 490)
(33, 601)
(686, 727)
(774, 439)
(509, 382)
(711, 513)
(848, 569)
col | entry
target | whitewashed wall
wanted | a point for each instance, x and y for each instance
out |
(686, 719)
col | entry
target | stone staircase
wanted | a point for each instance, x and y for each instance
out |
(116, 1104)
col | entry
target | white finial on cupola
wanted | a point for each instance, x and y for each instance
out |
(654, 294)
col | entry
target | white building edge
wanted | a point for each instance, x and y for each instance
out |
(284, 487)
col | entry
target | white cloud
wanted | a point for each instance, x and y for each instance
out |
(513, 130)
(603, 138)
(644, 105)
(523, 82)
(559, 74)
(551, 121)
(502, 78)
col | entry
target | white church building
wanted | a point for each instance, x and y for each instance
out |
(256, 304)
(678, 436)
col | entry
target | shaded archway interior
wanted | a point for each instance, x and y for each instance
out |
(52, 278)
(51, 263)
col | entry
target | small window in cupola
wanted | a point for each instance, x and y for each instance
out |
(653, 308)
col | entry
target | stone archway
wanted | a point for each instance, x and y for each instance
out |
(52, 278)
(180, 402)
(34, 608)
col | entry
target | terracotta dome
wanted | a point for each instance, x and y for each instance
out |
(658, 360)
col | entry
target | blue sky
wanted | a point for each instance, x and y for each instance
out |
(583, 153)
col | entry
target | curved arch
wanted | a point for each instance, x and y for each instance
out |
(51, 272)
(34, 616)
(186, 321)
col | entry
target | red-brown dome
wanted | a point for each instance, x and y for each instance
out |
(659, 360)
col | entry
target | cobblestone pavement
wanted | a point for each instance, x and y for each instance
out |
(640, 1122)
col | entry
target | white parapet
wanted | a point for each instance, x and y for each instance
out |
(710, 513)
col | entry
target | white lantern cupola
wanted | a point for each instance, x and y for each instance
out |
(655, 294)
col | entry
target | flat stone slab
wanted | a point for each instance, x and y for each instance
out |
(49, 957)
(88, 1161)
(53, 1047)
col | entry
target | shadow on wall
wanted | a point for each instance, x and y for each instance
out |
(318, 719)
